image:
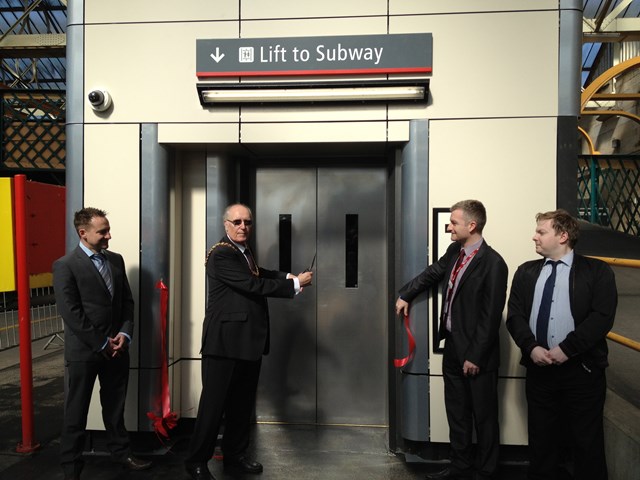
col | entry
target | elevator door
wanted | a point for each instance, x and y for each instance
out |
(329, 344)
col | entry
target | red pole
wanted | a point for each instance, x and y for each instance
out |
(24, 315)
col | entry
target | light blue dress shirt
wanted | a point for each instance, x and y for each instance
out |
(561, 322)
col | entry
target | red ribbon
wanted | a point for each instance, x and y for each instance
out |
(169, 419)
(401, 362)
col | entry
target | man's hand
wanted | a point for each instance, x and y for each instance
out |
(541, 357)
(402, 307)
(118, 344)
(557, 356)
(470, 369)
(305, 278)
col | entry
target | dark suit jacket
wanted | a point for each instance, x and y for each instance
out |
(89, 312)
(593, 299)
(476, 308)
(236, 323)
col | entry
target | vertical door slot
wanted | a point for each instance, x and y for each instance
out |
(351, 251)
(284, 249)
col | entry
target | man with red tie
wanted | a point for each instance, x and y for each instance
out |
(474, 293)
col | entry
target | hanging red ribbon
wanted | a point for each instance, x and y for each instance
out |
(169, 419)
(401, 362)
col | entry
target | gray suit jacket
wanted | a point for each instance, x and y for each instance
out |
(89, 312)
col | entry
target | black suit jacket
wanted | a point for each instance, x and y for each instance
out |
(89, 312)
(476, 308)
(236, 323)
(593, 299)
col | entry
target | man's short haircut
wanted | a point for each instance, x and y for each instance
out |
(225, 216)
(82, 218)
(562, 221)
(473, 210)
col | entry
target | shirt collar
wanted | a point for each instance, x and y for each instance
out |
(471, 248)
(86, 250)
(567, 259)
(240, 247)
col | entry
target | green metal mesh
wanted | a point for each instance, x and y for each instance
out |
(609, 191)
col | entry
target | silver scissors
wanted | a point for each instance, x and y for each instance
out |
(313, 262)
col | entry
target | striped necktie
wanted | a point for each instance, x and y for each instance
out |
(103, 268)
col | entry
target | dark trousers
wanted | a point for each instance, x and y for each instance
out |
(569, 395)
(80, 377)
(228, 388)
(471, 401)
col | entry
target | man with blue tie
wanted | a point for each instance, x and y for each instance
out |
(560, 310)
(95, 301)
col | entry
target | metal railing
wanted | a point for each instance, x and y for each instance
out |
(609, 191)
(45, 320)
(614, 337)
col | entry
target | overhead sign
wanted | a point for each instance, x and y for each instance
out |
(343, 55)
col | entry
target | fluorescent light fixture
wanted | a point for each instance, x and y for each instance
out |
(313, 92)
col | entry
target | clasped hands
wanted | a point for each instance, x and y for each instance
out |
(115, 346)
(543, 357)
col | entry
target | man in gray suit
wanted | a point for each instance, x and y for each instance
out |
(95, 301)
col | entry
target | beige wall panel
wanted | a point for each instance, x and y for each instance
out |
(314, 132)
(488, 65)
(176, 133)
(399, 7)
(112, 183)
(398, 131)
(150, 71)
(504, 164)
(194, 249)
(112, 11)
(191, 388)
(314, 27)
(512, 411)
(252, 9)
(439, 428)
(315, 113)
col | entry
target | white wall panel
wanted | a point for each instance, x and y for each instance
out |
(112, 183)
(115, 11)
(314, 132)
(150, 71)
(403, 7)
(492, 65)
(252, 9)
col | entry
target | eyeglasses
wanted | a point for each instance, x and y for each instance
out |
(238, 222)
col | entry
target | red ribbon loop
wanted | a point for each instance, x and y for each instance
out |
(401, 362)
(169, 419)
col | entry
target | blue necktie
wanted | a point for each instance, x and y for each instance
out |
(542, 324)
(103, 268)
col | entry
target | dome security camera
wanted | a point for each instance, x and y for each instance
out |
(100, 100)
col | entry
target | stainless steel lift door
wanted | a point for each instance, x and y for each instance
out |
(328, 345)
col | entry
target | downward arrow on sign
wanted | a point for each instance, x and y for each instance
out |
(218, 56)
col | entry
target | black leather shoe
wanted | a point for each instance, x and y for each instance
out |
(199, 472)
(242, 464)
(133, 463)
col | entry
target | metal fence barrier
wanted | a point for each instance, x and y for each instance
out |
(45, 320)
(609, 191)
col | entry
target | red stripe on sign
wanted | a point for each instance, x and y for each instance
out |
(363, 71)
